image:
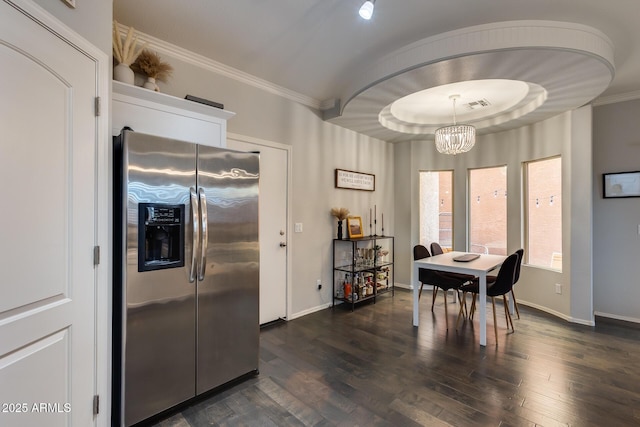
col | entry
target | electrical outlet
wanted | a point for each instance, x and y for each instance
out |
(319, 284)
(558, 288)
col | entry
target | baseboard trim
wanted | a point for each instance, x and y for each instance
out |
(617, 317)
(558, 314)
(309, 311)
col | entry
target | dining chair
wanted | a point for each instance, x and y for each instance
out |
(501, 286)
(491, 279)
(420, 252)
(520, 253)
(436, 249)
(437, 279)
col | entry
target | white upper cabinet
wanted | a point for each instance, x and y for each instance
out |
(164, 115)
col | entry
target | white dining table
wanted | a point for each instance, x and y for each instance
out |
(445, 262)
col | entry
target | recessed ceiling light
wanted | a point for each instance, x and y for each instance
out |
(366, 10)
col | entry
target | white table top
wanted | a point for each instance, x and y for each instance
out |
(444, 262)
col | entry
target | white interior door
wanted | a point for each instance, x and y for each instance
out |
(47, 279)
(273, 226)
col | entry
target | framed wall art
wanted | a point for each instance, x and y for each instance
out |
(621, 184)
(355, 180)
(354, 227)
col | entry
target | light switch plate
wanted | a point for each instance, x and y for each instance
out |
(298, 227)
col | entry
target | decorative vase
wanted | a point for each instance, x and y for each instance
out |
(151, 84)
(339, 230)
(123, 73)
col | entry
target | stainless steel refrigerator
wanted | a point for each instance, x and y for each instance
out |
(186, 272)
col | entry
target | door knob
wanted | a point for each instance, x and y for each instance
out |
(283, 244)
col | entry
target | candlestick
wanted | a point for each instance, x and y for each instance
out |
(375, 220)
(370, 228)
(382, 214)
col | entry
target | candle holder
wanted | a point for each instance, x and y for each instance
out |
(375, 220)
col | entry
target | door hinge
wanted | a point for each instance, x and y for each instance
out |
(97, 106)
(96, 404)
(96, 255)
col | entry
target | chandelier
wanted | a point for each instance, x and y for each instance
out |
(455, 139)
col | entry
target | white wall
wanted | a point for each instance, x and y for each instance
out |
(91, 19)
(616, 252)
(318, 148)
(567, 134)
(616, 147)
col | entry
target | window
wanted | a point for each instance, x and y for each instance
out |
(543, 180)
(436, 208)
(488, 210)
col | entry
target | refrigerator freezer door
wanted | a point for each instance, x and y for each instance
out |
(158, 306)
(228, 296)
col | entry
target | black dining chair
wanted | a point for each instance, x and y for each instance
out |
(501, 286)
(491, 279)
(436, 249)
(520, 253)
(420, 252)
(437, 279)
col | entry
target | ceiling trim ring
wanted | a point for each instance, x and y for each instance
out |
(483, 38)
(565, 66)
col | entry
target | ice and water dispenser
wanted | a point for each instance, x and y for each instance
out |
(160, 236)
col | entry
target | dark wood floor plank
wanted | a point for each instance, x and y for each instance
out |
(371, 367)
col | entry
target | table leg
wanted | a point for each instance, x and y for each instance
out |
(416, 290)
(483, 308)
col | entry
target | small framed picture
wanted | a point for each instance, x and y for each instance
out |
(621, 184)
(354, 227)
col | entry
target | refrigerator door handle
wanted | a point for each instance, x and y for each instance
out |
(195, 224)
(205, 234)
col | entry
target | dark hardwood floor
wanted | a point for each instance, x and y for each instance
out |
(371, 367)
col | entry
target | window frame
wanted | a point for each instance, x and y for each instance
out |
(526, 202)
(470, 201)
(453, 203)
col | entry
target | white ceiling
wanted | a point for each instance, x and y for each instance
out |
(324, 50)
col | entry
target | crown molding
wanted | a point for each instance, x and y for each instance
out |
(219, 68)
(612, 99)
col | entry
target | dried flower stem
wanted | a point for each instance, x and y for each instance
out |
(150, 64)
(128, 52)
(340, 213)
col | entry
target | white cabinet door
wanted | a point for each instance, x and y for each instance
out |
(47, 281)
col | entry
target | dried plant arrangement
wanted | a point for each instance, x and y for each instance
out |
(340, 213)
(150, 64)
(127, 52)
